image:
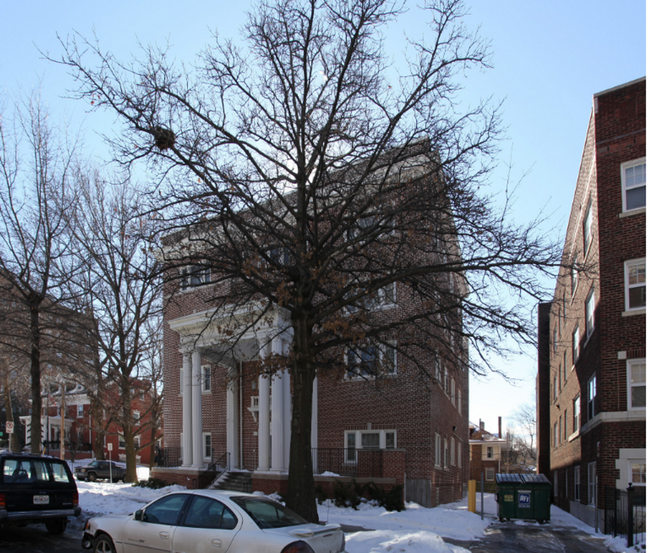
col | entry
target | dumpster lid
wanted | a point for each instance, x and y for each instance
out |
(534, 479)
(503, 478)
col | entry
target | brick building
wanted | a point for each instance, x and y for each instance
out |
(397, 429)
(488, 453)
(591, 381)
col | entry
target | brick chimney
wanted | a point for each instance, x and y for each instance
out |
(500, 436)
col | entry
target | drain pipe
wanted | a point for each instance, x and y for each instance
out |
(241, 414)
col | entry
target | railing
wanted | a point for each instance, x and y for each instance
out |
(625, 513)
(214, 470)
(356, 463)
(169, 457)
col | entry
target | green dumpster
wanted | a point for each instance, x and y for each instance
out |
(534, 497)
(506, 496)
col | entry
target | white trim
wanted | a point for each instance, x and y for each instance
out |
(614, 416)
(629, 363)
(588, 225)
(205, 390)
(629, 263)
(630, 165)
(590, 312)
(640, 311)
(632, 212)
(204, 435)
(625, 454)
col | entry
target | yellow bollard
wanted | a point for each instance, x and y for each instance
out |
(471, 496)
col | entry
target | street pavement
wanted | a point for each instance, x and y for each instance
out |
(513, 537)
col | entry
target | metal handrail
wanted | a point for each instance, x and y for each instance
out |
(214, 470)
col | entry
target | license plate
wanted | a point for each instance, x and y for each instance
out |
(41, 499)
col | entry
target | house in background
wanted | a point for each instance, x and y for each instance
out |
(592, 358)
(393, 430)
(487, 453)
(79, 428)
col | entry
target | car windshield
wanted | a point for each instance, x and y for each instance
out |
(94, 464)
(267, 513)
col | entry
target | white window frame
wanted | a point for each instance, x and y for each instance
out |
(590, 311)
(576, 483)
(387, 355)
(575, 338)
(630, 384)
(489, 474)
(353, 439)
(641, 463)
(459, 400)
(80, 411)
(452, 451)
(591, 397)
(576, 413)
(633, 164)
(629, 287)
(136, 416)
(592, 483)
(136, 442)
(574, 275)
(445, 454)
(453, 392)
(193, 276)
(460, 455)
(555, 435)
(438, 460)
(121, 442)
(206, 379)
(587, 227)
(555, 340)
(205, 438)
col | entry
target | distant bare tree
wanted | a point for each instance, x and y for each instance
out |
(311, 176)
(121, 285)
(36, 188)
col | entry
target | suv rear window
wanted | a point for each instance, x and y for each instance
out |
(25, 471)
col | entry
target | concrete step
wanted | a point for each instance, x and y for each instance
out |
(236, 481)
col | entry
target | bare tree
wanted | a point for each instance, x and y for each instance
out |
(121, 285)
(312, 176)
(525, 441)
(36, 187)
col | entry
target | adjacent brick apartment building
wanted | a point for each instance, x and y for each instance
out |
(592, 368)
(393, 430)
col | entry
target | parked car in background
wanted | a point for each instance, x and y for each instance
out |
(196, 521)
(37, 489)
(105, 470)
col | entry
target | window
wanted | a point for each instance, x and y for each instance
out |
(555, 435)
(489, 474)
(136, 442)
(390, 440)
(633, 180)
(194, 275)
(636, 384)
(460, 455)
(136, 416)
(458, 404)
(576, 344)
(590, 308)
(559, 431)
(438, 451)
(591, 398)
(375, 300)
(637, 472)
(565, 366)
(587, 223)
(80, 411)
(591, 483)
(489, 452)
(370, 361)
(445, 457)
(564, 429)
(555, 340)
(453, 452)
(207, 445)
(574, 274)
(564, 307)
(576, 483)
(453, 392)
(208, 513)
(351, 447)
(554, 387)
(446, 381)
(635, 284)
(166, 510)
(121, 444)
(207, 378)
(576, 413)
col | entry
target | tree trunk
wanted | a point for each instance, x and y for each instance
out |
(97, 423)
(8, 408)
(127, 428)
(301, 493)
(35, 373)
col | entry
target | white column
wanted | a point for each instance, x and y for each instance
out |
(263, 432)
(187, 410)
(197, 422)
(314, 414)
(232, 420)
(286, 380)
(277, 423)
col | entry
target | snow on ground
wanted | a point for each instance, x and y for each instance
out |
(415, 530)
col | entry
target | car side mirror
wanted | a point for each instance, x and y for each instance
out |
(138, 515)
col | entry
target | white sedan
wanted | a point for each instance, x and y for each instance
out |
(211, 521)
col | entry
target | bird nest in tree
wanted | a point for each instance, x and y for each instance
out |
(164, 138)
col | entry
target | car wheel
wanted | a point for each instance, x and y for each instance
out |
(91, 477)
(56, 526)
(103, 544)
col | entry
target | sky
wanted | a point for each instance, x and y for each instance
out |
(549, 59)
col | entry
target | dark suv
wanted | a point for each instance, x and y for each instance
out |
(100, 469)
(35, 489)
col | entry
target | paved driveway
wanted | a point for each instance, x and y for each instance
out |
(510, 537)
